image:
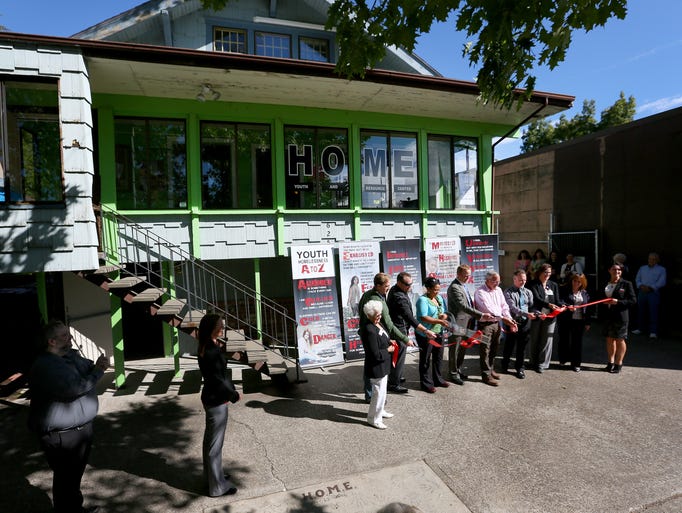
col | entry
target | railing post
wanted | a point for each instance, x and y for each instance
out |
(257, 286)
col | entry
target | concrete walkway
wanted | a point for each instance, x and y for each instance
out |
(553, 443)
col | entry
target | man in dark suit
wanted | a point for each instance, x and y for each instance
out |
(461, 305)
(400, 308)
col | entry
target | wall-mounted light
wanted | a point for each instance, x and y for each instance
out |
(207, 93)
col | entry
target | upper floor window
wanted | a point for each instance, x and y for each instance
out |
(311, 49)
(30, 153)
(389, 170)
(453, 172)
(273, 45)
(316, 162)
(236, 166)
(229, 40)
(151, 171)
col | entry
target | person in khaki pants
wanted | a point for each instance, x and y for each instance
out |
(461, 306)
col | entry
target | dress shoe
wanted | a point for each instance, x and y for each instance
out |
(231, 490)
(490, 381)
(539, 370)
(494, 374)
(463, 376)
(386, 415)
(378, 425)
(616, 369)
(444, 384)
(576, 369)
(456, 380)
(402, 380)
(430, 390)
(521, 374)
(609, 367)
(397, 389)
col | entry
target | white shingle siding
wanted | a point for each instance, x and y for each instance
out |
(55, 238)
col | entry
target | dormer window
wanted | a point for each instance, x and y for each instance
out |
(229, 40)
(312, 49)
(270, 44)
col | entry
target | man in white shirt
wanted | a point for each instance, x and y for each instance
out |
(490, 299)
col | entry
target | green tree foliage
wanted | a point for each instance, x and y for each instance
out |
(508, 38)
(542, 133)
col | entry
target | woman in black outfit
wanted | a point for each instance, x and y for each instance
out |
(575, 321)
(217, 392)
(622, 297)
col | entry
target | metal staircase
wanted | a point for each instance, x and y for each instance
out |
(172, 285)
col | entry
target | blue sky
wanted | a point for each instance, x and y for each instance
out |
(641, 55)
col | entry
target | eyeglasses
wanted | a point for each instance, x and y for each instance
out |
(408, 285)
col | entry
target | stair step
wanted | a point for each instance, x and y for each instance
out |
(192, 319)
(149, 295)
(106, 269)
(126, 282)
(173, 307)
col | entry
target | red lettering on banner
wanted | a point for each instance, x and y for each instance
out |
(305, 321)
(353, 323)
(395, 269)
(319, 338)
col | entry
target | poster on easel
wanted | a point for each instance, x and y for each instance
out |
(316, 306)
(441, 259)
(358, 264)
(480, 253)
(404, 256)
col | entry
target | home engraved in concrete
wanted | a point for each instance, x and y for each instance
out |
(414, 483)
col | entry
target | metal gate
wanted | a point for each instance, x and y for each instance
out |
(583, 245)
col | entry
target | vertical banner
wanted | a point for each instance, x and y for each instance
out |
(358, 263)
(480, 253)
(316, 305)
(403, 256)
(441, 259)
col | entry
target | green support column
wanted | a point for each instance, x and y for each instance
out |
(117, 339)
(171, 338)
(41, 289)
(486, 177)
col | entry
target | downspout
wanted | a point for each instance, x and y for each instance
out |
(492, 186)
(166, 23)
(273, 8)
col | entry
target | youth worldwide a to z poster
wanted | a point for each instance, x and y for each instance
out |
(316, 305)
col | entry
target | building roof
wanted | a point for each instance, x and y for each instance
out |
(167, 72)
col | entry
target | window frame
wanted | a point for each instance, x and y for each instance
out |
(283, 36)
(454, 193)
(242, 32)
(11, 159)
(302, 38)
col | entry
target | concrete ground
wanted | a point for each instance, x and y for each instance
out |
(558, 442)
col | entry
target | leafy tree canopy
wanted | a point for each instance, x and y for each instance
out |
(508, 38)
(543, 133)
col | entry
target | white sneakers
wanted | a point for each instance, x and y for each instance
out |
(381, 425)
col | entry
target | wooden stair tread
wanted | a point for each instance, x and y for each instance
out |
(172, 307)
(126, 282)
(192, 319)
(149, 295)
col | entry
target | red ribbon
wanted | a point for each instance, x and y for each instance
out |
(466, 343)
(561, 310)
(394, 355)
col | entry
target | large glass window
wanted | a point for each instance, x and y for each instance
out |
(389, 170)
(453, 173)
(311, 49)
(317, 167)
(236, 166)
(30, 153)
(151, 171)
(229, 40)
(273, 45)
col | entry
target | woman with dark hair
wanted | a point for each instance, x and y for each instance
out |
(575, 321)
(539, 258)
(545, 301)
(217, 392)
(431, 313)
(621, 296)
(523, 261)
(354, 295)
